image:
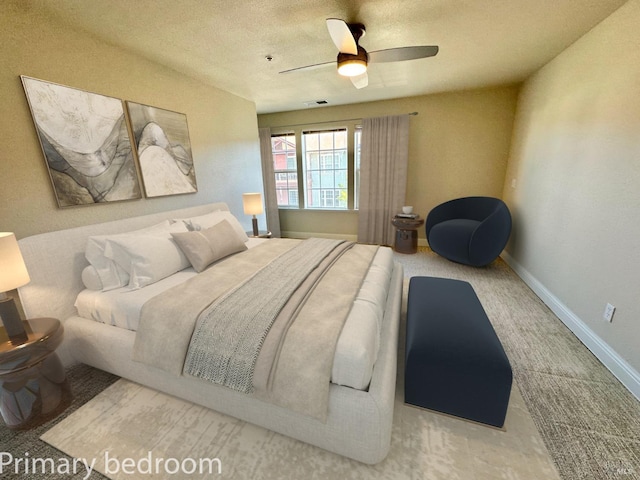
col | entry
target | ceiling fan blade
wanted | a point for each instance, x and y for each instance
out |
(310, 67)
(342, 36)
(360, 81)
(403, 53)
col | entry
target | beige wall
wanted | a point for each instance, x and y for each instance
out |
(576, 202)
(458, 146)
(222, 127)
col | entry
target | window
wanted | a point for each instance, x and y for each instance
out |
(325, 168)
(356, 167)
(327, 161)
(293, 197)
(283, 149)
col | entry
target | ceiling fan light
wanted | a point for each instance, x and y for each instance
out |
(353, 65)
(352, 68)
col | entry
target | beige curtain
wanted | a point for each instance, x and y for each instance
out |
(269, 181)
(383, 176)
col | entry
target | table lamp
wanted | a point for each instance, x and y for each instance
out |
(13, 274)
(252, 203)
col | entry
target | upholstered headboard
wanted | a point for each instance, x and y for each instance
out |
(55, 260)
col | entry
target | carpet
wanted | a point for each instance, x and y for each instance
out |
(134, 432)
(86, 383)
(589, 423)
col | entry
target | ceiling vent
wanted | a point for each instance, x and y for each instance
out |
(313, 103)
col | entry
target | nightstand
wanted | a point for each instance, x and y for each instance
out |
(406, 233)
(33, 384)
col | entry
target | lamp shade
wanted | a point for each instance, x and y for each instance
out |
(13, 272)
(252, 203)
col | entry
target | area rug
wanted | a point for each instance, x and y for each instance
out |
(129, 431)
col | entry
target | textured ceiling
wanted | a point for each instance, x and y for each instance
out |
(224, 43)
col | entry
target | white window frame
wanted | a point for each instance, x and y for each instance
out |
(352, 171)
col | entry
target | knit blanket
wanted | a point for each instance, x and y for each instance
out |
(229, 334)
(295, 359)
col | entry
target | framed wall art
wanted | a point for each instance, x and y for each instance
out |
(163, 149)
(85, 142)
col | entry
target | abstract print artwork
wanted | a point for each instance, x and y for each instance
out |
(85, 142)
(164, 150)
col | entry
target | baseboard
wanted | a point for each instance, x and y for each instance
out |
(624, 372)
(335, 236)
(422, 242)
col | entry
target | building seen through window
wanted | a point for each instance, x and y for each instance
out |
(283, 148)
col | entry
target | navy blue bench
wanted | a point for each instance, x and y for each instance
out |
(454, 361)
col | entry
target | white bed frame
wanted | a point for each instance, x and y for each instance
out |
(358, 424)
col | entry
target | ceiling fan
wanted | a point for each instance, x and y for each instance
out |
(353, 60)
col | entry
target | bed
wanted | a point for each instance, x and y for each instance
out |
(103, 333)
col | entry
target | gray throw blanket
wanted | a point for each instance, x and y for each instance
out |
(293, 369)
(230, 333)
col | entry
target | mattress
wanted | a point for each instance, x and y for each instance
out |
(357, 346)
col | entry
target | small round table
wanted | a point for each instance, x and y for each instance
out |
(33, 384)
(406, 234)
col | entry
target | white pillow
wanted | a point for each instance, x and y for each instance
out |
(208, 220)
(91, 279)
(187, 221)
(204, 247)
(147, 258)
(112, 275)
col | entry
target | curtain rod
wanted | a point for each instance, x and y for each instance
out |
(328, 121)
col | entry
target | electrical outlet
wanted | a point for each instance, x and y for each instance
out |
(609, 310)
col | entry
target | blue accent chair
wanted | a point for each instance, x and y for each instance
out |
(469, 230)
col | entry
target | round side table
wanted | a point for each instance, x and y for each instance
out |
(406, 234)
(33, 384)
